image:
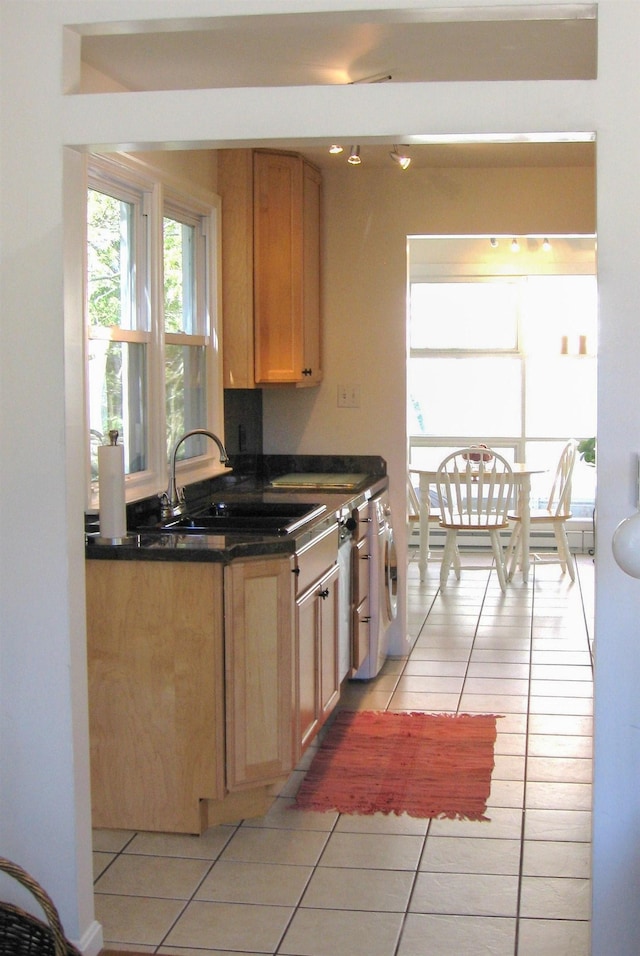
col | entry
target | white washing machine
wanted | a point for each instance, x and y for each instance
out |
(383, 585)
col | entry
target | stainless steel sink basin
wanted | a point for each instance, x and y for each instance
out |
(246, 517)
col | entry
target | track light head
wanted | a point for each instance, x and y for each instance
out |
(400, 157)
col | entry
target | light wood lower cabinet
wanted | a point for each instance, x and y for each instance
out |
(156, 693)
(317, 608)
(191, 690)
(259, 666)
(360, 627)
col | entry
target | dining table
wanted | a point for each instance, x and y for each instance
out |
(427, 474)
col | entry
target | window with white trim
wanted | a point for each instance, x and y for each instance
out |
(151, 321)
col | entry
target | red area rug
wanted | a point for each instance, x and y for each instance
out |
(425, 765)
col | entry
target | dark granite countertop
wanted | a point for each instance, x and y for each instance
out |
(146, 543)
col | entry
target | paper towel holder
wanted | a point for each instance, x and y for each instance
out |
(131, 540)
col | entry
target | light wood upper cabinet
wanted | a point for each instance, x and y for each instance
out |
(270, 268)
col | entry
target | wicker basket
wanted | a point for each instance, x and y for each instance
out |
(21, 934)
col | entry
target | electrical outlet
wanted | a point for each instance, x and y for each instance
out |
(348, 396)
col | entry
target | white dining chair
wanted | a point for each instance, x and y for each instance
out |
(475, 492)
(414, 516)
(556, 514)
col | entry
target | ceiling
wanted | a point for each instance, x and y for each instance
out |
(505, 43)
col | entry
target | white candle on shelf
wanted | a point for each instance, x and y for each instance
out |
(113, 514)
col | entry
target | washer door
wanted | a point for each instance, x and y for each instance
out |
(390, 575)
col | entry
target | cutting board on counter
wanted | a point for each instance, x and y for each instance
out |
(329, 481)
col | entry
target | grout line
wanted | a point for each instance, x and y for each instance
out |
(532, 572)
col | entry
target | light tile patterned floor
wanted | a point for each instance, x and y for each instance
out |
(312, 884)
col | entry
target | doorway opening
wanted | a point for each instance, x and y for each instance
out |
(502, 335)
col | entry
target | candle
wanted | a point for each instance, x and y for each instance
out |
(582, 346)
(564, 345)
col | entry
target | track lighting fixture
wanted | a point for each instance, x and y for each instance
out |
(400, 157)
(545, 244)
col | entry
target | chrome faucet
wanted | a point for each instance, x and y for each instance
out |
(173, 498)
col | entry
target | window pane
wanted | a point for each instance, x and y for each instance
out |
(110, 261)
(558, 312)
(179, 277)
(186, 393)
(463, 315)
(117, 399)
(464, 396)
(561, 396)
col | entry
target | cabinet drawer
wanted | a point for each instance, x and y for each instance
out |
(361, 571)
(361, 515)
(316, 558)
(360, 635)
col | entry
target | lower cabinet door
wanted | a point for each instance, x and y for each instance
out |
(318, 670)
(259, 671)
(329, 685)
(360, 644)
(307, 613)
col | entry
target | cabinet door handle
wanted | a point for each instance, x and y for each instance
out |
(307, 371)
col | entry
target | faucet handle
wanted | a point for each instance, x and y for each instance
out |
(165, 505)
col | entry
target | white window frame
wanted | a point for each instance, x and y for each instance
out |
(160, 195)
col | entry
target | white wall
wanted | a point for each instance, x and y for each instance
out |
(43, 752)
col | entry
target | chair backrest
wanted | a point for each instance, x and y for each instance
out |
(559, 502)
(473, 486)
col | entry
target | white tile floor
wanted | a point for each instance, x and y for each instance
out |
(311, 884)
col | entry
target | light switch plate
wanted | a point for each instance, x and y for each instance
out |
(348, 396)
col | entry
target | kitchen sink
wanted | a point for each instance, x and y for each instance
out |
(250, 517)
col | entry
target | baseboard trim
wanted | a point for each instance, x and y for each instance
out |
(92, 940)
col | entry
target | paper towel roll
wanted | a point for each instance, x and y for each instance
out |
(113, 515)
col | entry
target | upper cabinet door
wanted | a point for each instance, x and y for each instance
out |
(271, 255)
(311, 288)
(278, 261)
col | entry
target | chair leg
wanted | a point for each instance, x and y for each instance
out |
(499, 558)
(511, 546)
(564, 552)
(456, 561)
(449, 557)
(513, 551)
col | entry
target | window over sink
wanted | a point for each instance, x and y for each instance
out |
(151, 315)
